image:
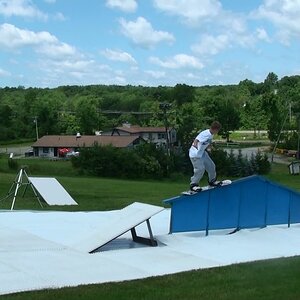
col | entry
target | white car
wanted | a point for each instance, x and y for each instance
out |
(73, 153)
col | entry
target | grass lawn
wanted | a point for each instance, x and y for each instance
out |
(268, 280)
(91, 193)
(272, 279)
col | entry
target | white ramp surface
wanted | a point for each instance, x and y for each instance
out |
(128, 217)
(52, 191)
(36, 249)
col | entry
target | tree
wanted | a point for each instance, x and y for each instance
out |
(183, 93)
(271, 83)
(224, 110)
(189, 121)
(229, 117)
(253, 116)
(270, 104)
(87, 115)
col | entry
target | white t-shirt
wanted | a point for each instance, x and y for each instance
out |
(205, 138)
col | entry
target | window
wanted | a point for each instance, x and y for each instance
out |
(161, 136)
(45, 150)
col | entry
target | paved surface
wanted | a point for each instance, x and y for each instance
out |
(15, 150)
(282, 159)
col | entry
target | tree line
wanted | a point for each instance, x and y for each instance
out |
(86, 109)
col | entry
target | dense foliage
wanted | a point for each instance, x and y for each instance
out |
(144, 161)
(148, 161)
(232, 165)
(68, 109)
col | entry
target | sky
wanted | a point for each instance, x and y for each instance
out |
(49, 43)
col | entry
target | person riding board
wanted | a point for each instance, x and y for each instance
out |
(201, 160)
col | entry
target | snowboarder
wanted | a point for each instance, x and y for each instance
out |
(201, 160)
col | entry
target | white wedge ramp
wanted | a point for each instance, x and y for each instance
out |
(128, 218)
(52, 191)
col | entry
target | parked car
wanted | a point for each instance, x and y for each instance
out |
(73, 153)
(29, 153)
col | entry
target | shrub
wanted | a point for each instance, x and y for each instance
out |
(229, 164)
(145, 161)
(13, 164)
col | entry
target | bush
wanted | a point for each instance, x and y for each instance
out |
(13, 164)
(144, 161)
(148, 161)
(239, 165)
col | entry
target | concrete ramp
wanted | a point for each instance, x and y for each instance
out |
(52, 191)
(128, 218)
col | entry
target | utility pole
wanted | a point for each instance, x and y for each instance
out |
(36, 127)
(164, 106)
(298, 146)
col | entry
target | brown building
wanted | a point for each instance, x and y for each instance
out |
(50, 145)
(156, 135)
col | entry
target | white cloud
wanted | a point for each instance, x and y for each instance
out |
(178, 61)
(156, 74)
(59, 16)
(21, 8)
(211, 45)
(57, 62)
(57, 50)
(262, 35)
(225, 28)
(142, 33)
(81, 71)
(43, 43)
(71, 65)
(12, 37)
(4, 73)
(117, 55)
(124, 5)
(192, 11)
(283, 14)
(192, 76)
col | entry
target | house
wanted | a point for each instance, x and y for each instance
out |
(53, 145)
(156, 135)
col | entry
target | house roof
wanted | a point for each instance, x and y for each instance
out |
(84, 141)
(138, 129)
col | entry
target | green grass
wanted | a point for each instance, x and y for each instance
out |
(265, 280)
(241, 136)
(98, 193)
(17, 143)
(280, 174)
(272, 279)
(92, 193)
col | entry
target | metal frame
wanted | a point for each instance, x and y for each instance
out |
(138, 239)
(142, 240)
(18, 183)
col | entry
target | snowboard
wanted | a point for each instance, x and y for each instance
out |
(208, 187)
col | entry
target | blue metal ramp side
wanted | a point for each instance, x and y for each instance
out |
(249, 202)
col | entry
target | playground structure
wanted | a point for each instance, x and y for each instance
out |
(251, 202)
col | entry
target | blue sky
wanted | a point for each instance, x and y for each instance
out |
(48, 43)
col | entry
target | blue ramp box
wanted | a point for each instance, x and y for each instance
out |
(249, 202)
